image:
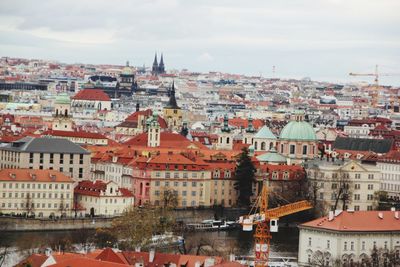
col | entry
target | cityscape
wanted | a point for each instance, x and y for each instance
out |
(156, 157)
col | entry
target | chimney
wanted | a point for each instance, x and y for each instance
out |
(331, 216)
(396, 215)
(152, 254)
(137, 249)
(232, 257)
(209, 262)
(13, 176)
(392, 209)
(197, 264)
(380, 215)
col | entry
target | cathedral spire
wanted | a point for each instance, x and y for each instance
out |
(154, 70)
(161, 67)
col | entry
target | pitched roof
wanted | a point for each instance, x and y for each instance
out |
(45, 145)
(34, 260)
(167, 139)
(109, 255)
(363, 144)
(95, 188)
(34, 175)
(79, 134)
(358, 221)
(265, 133)
(92, 94)
(87, 262)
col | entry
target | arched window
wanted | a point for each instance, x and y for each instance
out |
(262, 145)
(271, 145)
(227, 140)
(255, 145)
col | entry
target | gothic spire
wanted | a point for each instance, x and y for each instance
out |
(172, 100)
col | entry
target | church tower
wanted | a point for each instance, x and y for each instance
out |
(172, 112)
(161, 67)
(225, 138)
(62, 119)
(249, 132)
(153, 133)
(154, 69)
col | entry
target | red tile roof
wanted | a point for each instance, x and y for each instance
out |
(87, 262)
(34, 260)
(109, 255)
(358, 221)
(167, 140)
(78, 134)
(92, 94)
(33, 175)
(95, 188)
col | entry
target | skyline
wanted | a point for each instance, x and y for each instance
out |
(324, 41)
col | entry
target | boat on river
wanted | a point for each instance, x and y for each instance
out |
(212, 225)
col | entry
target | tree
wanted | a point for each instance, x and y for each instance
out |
(137, 225)
(341, 191)
(62, 206)
(29, 205)
(169, 198)
(245, 178)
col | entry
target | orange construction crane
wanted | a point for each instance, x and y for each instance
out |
(266, 221)
(375, 90)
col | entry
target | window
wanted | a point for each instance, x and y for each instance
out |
(51, 158)
(184, 184)
(61, 160)
(370, 187)
(345, 246)
(166, 184)
(309, 241)
(370, 197)
(304, 150)
(370, 176)
(194, 184)
(292, 149)
(157, 193)
(352, 246)
(157, 174)
(167, 175)
(356, 196)
(357, 176)
(157, 183)
(185, 175)
(71, 158)
(363, 245)
(184, 193)
(369, 207)
(81, 159)
(334, 186)
(176, 174)
(80, 172)
(193, 193)
(357, 186)
(30, 157)
(356, 208)
(176, 184)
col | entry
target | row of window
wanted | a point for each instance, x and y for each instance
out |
(38, 205)
(349, 245)
(51, 158)
(184, 193)
(176, 175)
(35, 195)
(36, 186)
(167, 183)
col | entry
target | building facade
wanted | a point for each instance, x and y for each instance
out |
(40, 193)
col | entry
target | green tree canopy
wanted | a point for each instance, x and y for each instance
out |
(245, 178)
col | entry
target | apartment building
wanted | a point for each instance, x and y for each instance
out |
(41, 153)
(188, 176)
(354, 181)
(41, 193)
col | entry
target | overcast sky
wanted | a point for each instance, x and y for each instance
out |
(321, 39)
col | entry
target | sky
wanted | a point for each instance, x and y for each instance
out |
(320, 39)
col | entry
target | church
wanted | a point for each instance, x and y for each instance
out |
(158, 68)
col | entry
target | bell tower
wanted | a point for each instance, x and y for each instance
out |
(172, 112)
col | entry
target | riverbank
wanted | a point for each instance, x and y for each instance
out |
(15, 224)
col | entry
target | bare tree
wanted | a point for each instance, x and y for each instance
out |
(169, 198)
(29, 205)
(341, 192)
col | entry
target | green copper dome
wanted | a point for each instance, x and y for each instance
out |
(272, 156)
(298, 130)
(63, 99)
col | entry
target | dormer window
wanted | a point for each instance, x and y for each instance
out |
(111, 190)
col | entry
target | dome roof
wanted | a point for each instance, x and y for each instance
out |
(272, 156)
(265, 133)
(127, 71)
(63, 99)
(298, 130)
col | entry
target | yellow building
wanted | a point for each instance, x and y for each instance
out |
(172, 112)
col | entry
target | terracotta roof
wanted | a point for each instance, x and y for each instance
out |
(34, 260)
(87, 262)
(95, 188)
(167, 139)
(109, 255)
(358, 221)
(78, 134)
(33, 175)
(92, 94)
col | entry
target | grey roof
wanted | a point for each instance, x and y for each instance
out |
(45, 145)
(363, 144)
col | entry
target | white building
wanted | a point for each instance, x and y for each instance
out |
(35, 192)
(330, 180)
(390, 168)
(100, 198)
(349, 237)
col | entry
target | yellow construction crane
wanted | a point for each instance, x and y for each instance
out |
(375, 90)
(266, 221)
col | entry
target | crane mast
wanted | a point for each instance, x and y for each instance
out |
(263, 219)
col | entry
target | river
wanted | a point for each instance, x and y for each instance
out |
(283, 243)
